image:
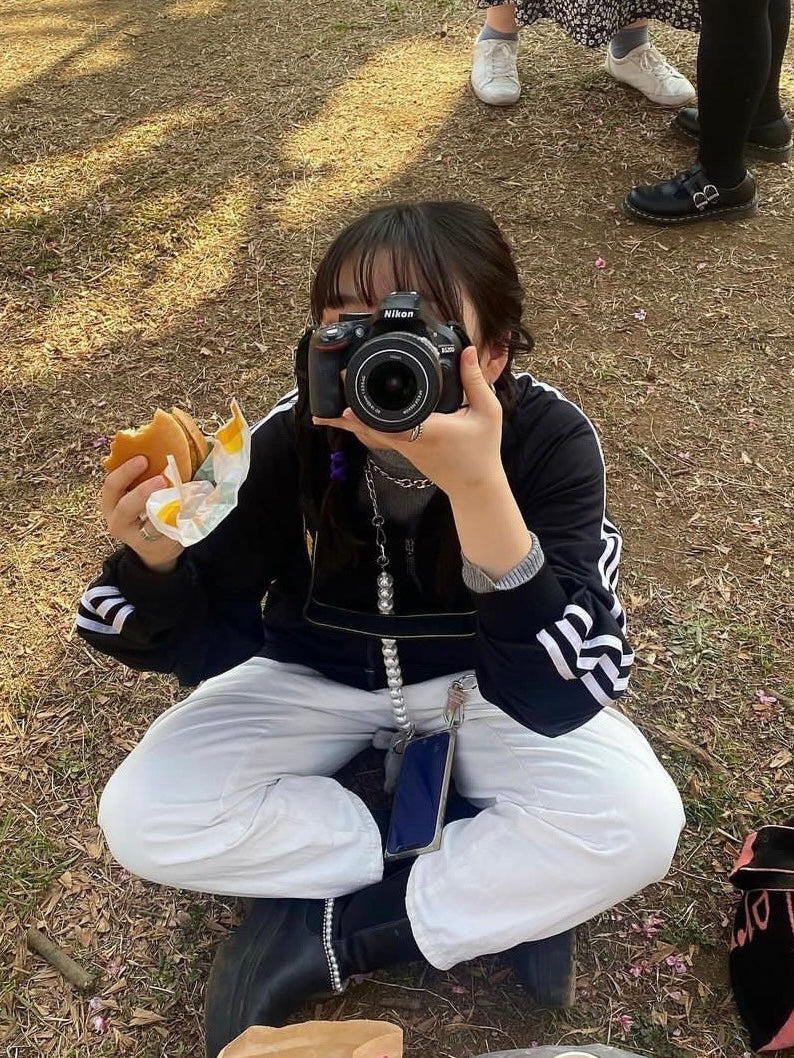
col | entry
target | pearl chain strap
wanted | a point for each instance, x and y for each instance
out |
(385, 582)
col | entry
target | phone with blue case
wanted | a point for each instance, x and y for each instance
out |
(420, 800)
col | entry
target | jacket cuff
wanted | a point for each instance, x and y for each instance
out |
(478, 581)
(145, 589)
(519, 614)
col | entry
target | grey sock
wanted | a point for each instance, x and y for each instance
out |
(486, 33)
(626, 40)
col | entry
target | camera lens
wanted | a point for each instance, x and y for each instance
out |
(392, 385)
(393, 381)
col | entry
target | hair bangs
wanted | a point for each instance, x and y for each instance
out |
(409, 254)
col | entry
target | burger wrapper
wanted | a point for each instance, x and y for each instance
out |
(319, 1039)
(189, 511)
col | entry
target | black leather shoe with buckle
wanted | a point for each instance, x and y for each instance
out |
(768, 143)
(690, 196)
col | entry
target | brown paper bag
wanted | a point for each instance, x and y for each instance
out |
(319, 1039)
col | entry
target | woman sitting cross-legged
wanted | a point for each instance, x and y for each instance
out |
(466, 558)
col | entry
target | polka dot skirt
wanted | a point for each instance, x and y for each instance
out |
(594, 22)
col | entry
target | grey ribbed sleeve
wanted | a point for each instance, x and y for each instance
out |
(478, 581)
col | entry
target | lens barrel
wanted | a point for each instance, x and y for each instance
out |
(394, 381)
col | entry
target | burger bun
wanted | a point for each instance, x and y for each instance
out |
(168, 433)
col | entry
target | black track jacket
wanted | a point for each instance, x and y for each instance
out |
(550, 652)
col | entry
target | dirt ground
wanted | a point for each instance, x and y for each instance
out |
(168, 173)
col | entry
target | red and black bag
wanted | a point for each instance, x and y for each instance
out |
(762, 942)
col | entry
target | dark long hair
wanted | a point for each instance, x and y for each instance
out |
(446, 251)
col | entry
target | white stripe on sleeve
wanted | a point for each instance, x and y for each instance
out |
(94, 626)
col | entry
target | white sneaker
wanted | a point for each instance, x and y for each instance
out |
(494, 73)
(646, 69)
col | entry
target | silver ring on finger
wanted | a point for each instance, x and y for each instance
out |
(146, 534)
(416, 433)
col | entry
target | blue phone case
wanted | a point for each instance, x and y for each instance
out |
(420, 800)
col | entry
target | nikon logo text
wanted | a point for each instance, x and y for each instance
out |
(397, 314)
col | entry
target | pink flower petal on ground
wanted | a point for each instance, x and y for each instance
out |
(640, 315)
(764, 698)
(459, 990)
(600, 262)
(98, 1023)
(650, 926)
(624, 1022)
(95, 1004)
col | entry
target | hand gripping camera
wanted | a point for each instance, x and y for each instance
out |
(401, 364)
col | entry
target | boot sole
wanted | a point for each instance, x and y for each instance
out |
(727, 213)
(774, 155)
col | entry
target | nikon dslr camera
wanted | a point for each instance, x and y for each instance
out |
(401, 364)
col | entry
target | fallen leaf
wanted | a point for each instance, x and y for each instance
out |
(140, 1016)
(781, 759)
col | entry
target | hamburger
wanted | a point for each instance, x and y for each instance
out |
(172, 433)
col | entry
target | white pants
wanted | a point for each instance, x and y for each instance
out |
(228, 792)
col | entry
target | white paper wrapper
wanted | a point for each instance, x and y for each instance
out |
(189, 511)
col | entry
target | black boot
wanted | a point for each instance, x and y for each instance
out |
(690, 196)
(287, 951)
(769, 143)
(546, 969)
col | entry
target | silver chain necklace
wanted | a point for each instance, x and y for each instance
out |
(385, 582)
(403, 483)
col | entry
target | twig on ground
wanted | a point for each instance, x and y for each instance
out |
(57, 957)
(676, 739)
(656, 467)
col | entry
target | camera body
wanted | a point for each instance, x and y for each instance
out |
(400, 365)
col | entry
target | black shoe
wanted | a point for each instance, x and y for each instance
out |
(689, 197)
(266, 968)
(287, 951)
(546, 969)
(769, 143)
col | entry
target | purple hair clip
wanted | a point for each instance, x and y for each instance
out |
(338, 466)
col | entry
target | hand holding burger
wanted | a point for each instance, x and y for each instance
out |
(135, 464)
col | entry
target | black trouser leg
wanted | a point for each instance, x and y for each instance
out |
(734, 66)
(769, 109)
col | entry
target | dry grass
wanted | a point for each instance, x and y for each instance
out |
(169, 172)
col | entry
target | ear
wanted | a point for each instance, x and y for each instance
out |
(493, 360)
